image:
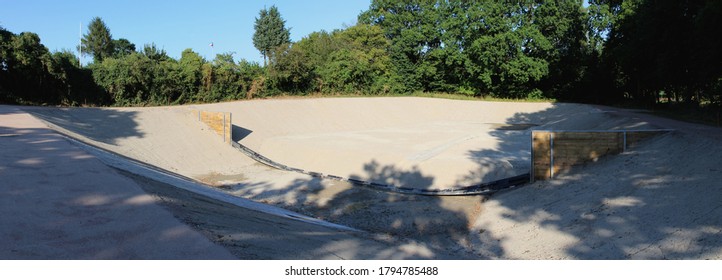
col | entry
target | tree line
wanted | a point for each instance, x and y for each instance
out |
(641, 52)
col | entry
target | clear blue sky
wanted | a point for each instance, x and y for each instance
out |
(175, 25)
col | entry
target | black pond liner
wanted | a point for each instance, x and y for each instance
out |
(478, 189)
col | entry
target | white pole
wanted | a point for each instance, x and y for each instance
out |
(80, 50)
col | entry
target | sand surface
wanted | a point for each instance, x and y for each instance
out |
(408, 142)
(659, 200)
(59, 202)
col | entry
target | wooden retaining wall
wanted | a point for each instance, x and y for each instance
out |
(557, 151)
(219, 122)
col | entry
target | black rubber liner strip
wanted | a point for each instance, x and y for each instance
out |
(479, 189)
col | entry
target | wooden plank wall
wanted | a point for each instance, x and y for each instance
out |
(219, 122)
(555, 152)
(541, 155)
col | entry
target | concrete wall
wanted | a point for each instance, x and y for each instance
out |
(219, 122)
(557, 151)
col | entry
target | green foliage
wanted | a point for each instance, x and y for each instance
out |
(30, 74)
(153, 78)
(228, 79)
(126, 79)
(464, 90)
(270, 32)
(97, 41)
(504, 49)
(122, 47)
(664, 46)
(412, 28)
(609, 51)
(6, 50)
(69, 78)
(290, 70)
(27, 66)
(600, 22)
(154, 53)
(359, 65)
(353, 60)
(189, 76)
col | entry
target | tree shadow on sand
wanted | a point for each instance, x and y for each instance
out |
(59, 202)
(98, 124)
(437, 226)
(660, 200)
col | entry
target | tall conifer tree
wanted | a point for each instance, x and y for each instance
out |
(98, 42)
(270, 32)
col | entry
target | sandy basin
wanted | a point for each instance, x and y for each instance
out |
(660, 200)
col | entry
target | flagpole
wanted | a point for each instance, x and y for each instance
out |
(213, 52)
(80, 50)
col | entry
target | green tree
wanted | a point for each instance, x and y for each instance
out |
(122, 47)
(508, 49)
(706, 44)
(360, 64)
(664, 47)
(5, 63)
(30, 78)
(155, 53)
(290, 69)
(353, 60)
(30, 74)
(565, 25)
(227, 83)
(74, 85)
(249, 72)
(314, 52)
(63, 67)
(270, 32)
(600, 19)
(166, 87)
(97, 41)
(127, 80)
(413, 29)
(190, 65)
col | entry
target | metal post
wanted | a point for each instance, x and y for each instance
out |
(531, 158)
(624, 149)
(551, 155)
(224, 127)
